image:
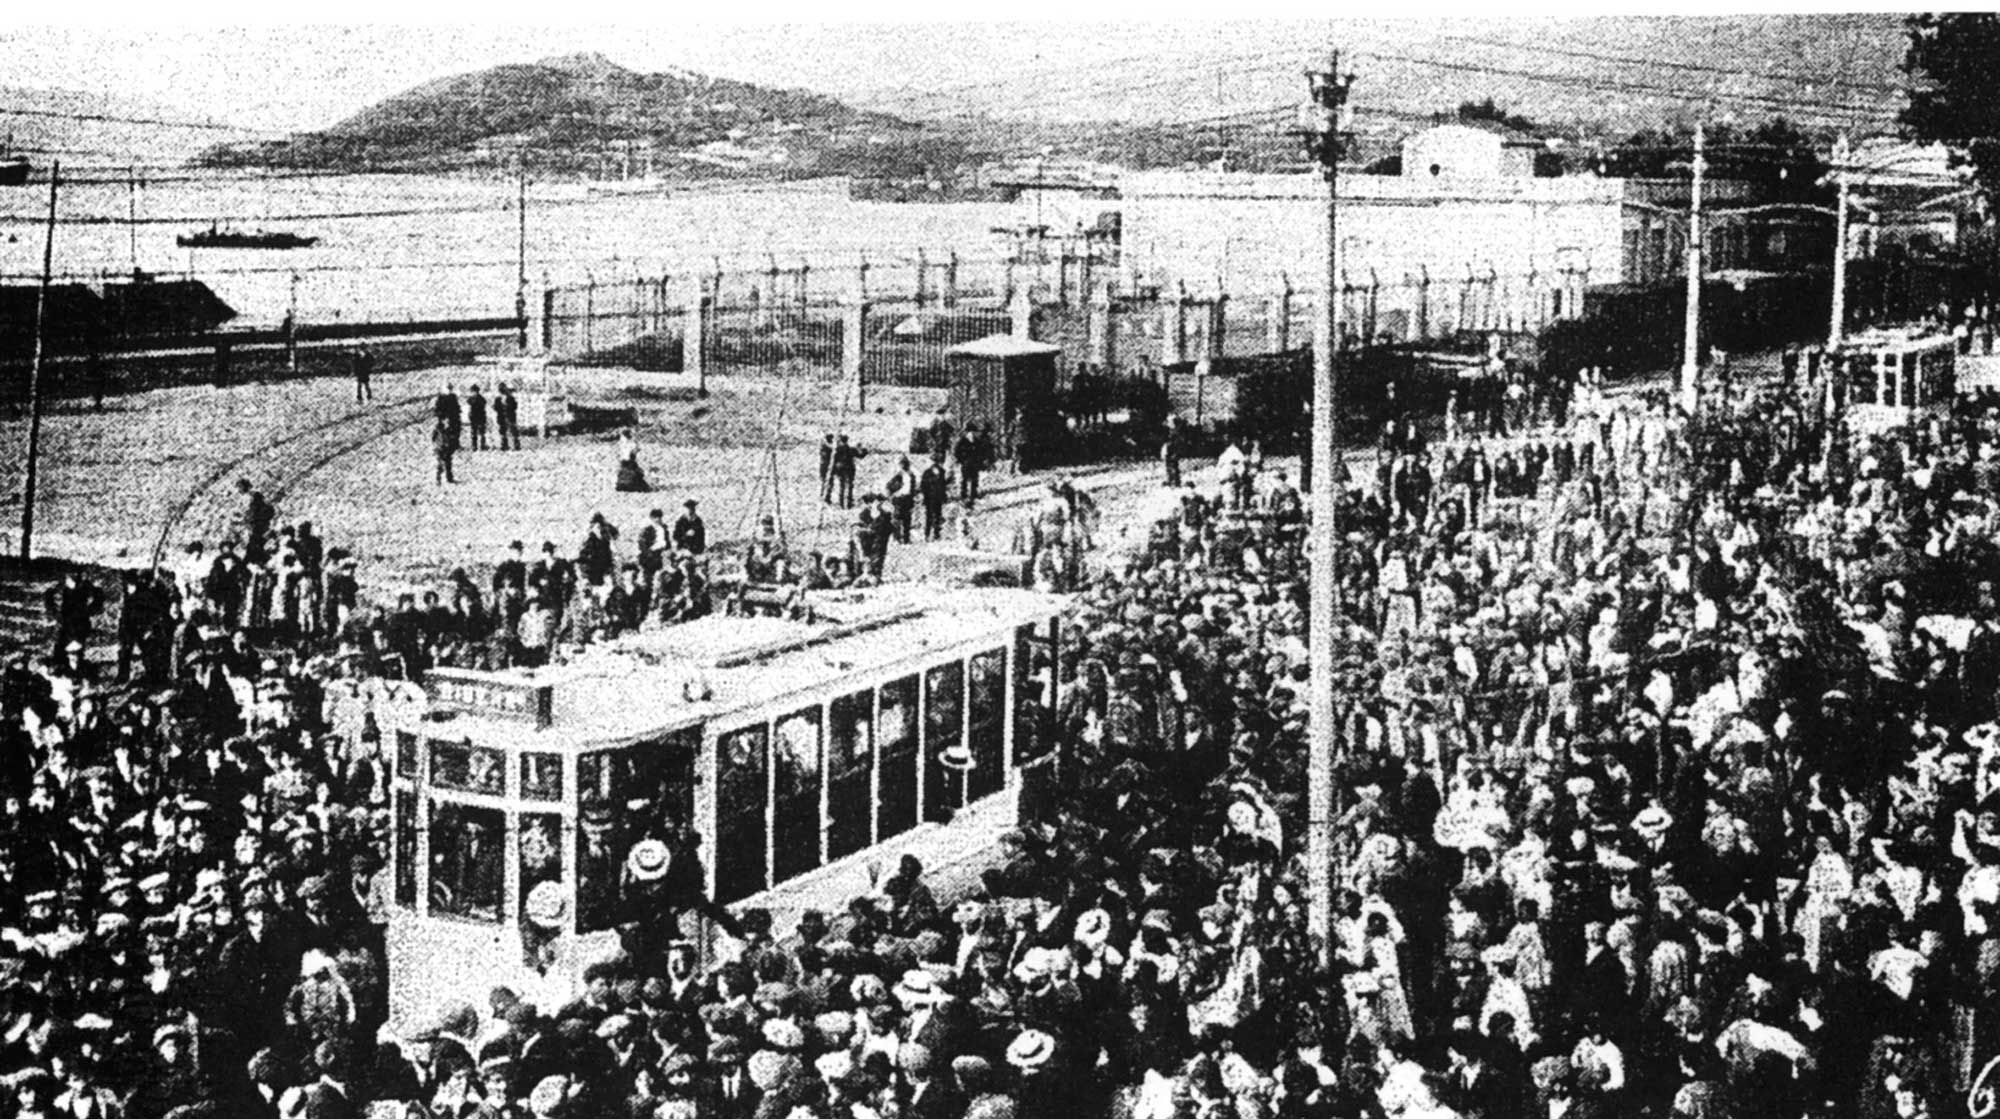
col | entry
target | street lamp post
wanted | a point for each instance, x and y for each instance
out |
(1328, 111)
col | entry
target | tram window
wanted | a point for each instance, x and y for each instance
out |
(538, 846)
(896, 725)
(406, 849)
(1861, 384)
(741, 809)
(850, 740)
(1034, 675)
(896, 739)
(406, 756)
(466, 872)
(541, 777)
(850, 773)
(473, 769)
(944, 728)
(988, 714)
(944, 697)
(795, 820)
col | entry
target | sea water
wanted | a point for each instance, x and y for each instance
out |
(412, 248)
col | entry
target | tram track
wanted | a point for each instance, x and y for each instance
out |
(315, 446)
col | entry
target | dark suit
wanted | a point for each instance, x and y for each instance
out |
(933, 1100)
(948, 1030)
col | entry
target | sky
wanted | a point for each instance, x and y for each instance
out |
(1064, 60)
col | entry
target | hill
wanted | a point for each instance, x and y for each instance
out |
(581, 114)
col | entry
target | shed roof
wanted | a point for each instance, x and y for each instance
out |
(1003, 346)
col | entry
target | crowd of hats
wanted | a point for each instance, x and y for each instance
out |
(1734, 848)
(185, 852)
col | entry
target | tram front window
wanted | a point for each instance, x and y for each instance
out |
(467, 875)
(539, 849)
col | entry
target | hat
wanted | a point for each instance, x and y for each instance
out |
(835, 1065)
(615, 1025)
(918, 985)
(679, 1063)
(546, 905)
(725, 1049)
(869, 989)
(956, 756)
(552, 1093)
(1654, 821)
(832, 1028)
(769, 1069)
(648, 860)
(170, 1031)
(1093, 929)
(150, 884)
(210, 879)
(314, 887)
(784, 1035)
(1032, 1049)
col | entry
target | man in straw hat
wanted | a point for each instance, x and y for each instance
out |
(661, 881)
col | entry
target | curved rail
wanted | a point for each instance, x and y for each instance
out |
(234, 465)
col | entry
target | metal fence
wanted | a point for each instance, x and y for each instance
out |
(911, 311)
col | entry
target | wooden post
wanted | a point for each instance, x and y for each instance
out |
(853, 318)
(951, 281)
(693, 356)
(35, 372)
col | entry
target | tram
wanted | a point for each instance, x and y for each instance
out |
(1888, 377)
(785, 746)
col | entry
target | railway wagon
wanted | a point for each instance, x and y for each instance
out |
(1888, 377)
(786, 747)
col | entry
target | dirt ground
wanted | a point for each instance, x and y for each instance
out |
(113, 483)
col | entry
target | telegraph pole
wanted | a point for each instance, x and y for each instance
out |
(35, 373)
(1691, 340)
(521, 254)
(1838, 325)
(1327, 116)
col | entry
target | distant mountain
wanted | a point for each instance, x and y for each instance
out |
(582, 114)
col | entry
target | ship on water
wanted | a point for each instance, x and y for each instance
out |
(13, 166)
(215, 237)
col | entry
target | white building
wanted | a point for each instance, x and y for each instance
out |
(1476, 245)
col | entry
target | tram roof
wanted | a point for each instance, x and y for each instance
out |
(657, 681)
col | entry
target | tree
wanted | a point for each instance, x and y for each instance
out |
(1954, 98)
(1489, 110)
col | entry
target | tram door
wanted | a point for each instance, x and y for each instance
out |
(795, 793)
(850, 781)
(896, 767)
(742, 803)
(944, 728)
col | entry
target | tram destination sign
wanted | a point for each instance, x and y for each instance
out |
(477, 693)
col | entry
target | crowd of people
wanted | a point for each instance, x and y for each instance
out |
(1667, 771)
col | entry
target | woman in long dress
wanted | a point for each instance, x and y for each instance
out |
(631, 478)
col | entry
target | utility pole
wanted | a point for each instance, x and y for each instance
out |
(35, 372)
(1327, 116)
(132, 214)
(1838, 325)
(1691, 340)
(521, 254)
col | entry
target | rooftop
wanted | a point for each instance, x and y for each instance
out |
(647, 683)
